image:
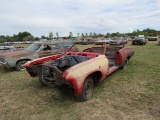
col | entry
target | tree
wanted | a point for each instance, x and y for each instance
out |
(57, 35)
(90, 34)
(36, 38)
(86, 34)
(2, 38)
(82, 35)
(15, 37)
(29, 38)
(8, 38)
(22, 35)
(108, 34)
(44, 37)
(78, 34)
(118, 34)
(70, 35)
(50, 35)
(94, 35)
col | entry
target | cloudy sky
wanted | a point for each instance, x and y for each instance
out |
(39, 17)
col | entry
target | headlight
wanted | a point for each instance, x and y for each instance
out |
(2, 60)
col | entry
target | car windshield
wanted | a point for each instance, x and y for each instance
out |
(107, 38)
(117, 38)
(34, 47)
(104, 39)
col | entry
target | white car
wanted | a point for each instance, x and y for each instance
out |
(107, 40)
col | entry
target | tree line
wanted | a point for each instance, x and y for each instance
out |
(26, 36)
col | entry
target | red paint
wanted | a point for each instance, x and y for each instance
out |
(42, 60)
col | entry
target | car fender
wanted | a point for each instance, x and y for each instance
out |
(78, 73)
(125, 53)
(13, 61)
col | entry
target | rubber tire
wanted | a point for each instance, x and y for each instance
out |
(86, 95)
(125, 65)
(19, 65)
(42, 83)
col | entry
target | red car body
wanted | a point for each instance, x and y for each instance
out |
(80, 70)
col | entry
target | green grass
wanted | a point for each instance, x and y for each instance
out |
(133, 93)
(21, 45)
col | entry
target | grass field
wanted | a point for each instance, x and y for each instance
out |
(132, 94)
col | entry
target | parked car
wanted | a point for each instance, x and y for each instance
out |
(86, 42)
(8, 48)
(107, 40)
(153, 38)
(80, 70)
(118, 41)
(139, 40)
(36, 50)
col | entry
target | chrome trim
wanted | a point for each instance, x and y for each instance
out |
(3, 62)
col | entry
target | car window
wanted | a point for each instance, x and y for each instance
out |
(114, 38)
(46, 47)
(54, 46)
(34, 47)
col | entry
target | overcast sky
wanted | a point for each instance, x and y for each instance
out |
(39, 17)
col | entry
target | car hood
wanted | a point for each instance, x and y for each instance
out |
(16, 54)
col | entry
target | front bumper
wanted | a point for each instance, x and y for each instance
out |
(8, 63)
(137, 42)
(5, 64)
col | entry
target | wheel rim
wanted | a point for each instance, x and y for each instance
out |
(88, 90)
(21, 65)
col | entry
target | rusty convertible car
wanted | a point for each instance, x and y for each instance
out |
(36, 50)
(80, 70)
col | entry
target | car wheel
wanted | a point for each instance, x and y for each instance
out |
(19, 65)
(42, 83)
(87, 91)
(125, 65)
(46, 75)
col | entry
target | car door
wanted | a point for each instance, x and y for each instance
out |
(45, 50)
(57, 49)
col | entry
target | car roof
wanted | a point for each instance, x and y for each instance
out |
(49, 43)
